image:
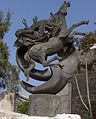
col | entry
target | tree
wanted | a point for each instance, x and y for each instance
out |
(4, 23)
(8, 72)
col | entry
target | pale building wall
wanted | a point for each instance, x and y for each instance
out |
(7, 102)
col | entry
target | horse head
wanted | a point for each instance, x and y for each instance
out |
(63, 8)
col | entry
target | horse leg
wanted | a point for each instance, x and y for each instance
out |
(38, 52)
(78, 33)
(64, 33)
(31, 65)
(42, 57)
(47, 63)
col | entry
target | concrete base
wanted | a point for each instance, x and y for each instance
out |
(44, 105)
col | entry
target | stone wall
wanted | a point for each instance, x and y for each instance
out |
(76, 106)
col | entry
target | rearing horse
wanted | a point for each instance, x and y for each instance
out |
(57, 21)
(56, 42)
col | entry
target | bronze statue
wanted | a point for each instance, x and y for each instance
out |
(46, 38)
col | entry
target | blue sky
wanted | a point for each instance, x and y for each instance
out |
(79, 10)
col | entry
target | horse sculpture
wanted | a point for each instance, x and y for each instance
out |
(46, 38)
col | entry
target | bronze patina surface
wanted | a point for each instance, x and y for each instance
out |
(45, 38)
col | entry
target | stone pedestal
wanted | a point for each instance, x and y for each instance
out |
(44, 105)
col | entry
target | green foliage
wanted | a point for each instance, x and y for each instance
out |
(4, 26)
(3, 57)
(8, 71)
(22, 107)
(84, 44)
(4, 23)
(12, 75)
(87, 41)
